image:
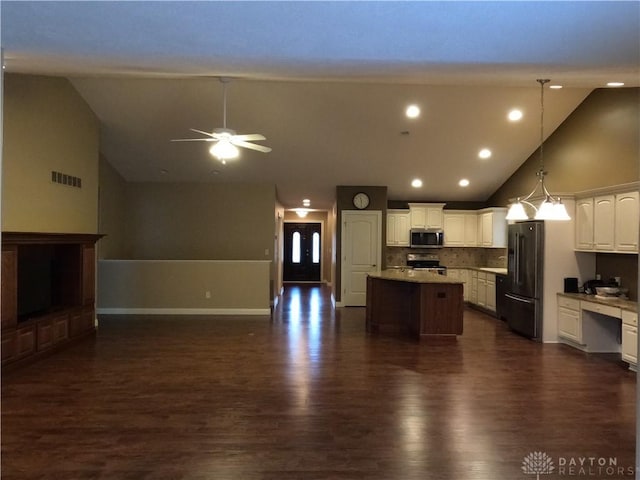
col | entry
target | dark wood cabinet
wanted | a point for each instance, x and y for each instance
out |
(88, 274)
(421, 309)
(48, 293)
(25, 342)
(9, 288)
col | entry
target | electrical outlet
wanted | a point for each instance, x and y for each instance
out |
(598, 277)
(617, 279)
(207, 294)
(266, 252)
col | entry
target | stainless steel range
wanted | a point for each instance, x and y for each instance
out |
(425, 261)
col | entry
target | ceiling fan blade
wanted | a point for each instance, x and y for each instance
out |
(213, 135)
(195, 140)
(249, 137)
(251, 146)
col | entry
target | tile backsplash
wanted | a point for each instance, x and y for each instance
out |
(452, 257)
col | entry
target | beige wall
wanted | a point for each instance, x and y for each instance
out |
(113, 208)
(197, 221)
(596, 146)
(183, 287)
(48, 126)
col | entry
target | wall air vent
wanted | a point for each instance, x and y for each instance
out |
(64, 179)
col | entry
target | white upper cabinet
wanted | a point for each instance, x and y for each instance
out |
(398, 226)
(584, 224)
(470, 229)
(460, 228)
(626, 222)
(426, 215)
(492, 227)
(604, 222)
(453, 230)
(608, 223)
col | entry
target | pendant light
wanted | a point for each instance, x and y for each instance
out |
(551, 207)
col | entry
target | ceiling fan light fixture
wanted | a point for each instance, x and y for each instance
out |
(227, 140)
(223, 149)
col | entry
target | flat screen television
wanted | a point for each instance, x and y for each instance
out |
(35, 277)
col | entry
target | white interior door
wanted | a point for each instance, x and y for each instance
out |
(361, 253)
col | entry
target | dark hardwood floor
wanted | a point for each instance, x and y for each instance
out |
(309, 395)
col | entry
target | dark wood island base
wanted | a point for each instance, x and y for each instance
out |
(420, 304)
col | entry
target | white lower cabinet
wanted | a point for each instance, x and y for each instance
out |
(473, 294)
(595, 327)
(569, 319)
(491, 292)
(465, 276)
(630, 337)
(482, 289)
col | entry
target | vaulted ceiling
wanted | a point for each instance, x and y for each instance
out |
(327, 84)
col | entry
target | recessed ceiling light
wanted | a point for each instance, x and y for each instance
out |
(555, 87)
(416, 183)
(464, 182)
(615, 84)
(164, 171)
(412, 111)
(484, 153)
(515, 115)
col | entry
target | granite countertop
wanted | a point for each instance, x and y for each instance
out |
(496, 270)
(413, 276)
(623, 304)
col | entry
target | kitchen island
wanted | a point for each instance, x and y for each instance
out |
(417, 303)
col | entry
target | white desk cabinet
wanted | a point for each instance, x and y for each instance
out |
(630, 338)
(569, 319)
(584, 224)
(626, 222)
(608, 223)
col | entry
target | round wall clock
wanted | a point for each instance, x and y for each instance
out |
(361, 200)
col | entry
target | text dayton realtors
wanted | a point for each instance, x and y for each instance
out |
(607, 466)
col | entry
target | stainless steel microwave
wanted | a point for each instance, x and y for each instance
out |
(427, 237)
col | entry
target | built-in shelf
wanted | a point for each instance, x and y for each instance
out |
(48, 293)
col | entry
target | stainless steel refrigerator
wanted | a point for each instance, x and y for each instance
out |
(525, 256)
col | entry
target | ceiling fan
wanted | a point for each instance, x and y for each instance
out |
(226, 140)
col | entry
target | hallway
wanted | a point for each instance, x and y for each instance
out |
(308, 395)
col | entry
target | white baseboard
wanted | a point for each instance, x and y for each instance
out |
(183, 311)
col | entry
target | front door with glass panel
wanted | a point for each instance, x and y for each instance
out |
(302, 252)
